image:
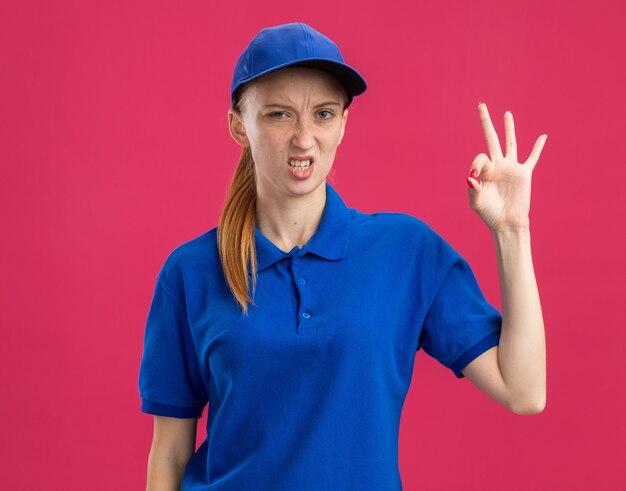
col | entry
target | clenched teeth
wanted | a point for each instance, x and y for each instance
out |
(300, 164)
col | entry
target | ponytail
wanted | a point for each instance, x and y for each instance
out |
(235, 233)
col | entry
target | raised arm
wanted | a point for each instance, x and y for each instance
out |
(514, 372)
(173, 444)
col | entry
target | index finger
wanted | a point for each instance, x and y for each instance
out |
(493, 145)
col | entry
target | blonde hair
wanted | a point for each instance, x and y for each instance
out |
(235, 232)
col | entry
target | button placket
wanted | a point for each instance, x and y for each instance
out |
(304, 313)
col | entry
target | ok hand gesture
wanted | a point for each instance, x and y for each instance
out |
(499, 186)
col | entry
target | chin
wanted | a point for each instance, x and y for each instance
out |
(310, 185)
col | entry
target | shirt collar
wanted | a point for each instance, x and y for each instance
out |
(329, 241)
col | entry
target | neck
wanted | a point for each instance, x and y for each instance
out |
(288, 221)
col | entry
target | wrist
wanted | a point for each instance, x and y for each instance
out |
(511, 239)
(511, 232)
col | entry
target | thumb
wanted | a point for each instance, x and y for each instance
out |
(474, 185)
(481, 162)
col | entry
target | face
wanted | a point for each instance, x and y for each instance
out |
(287, 118)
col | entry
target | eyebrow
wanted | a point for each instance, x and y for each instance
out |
(329, 103)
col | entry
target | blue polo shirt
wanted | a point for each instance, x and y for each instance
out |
(306, 391)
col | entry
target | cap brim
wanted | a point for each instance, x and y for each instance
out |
(352, 80)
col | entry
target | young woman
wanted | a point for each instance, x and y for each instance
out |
(297, 319)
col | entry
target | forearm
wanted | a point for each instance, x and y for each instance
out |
(173, 445)
(522, 350)
(164, 473)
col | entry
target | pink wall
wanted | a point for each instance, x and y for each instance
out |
(114, 149)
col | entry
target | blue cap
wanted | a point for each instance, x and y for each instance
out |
(294, 44)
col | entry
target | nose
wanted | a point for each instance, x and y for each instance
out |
(303, 135)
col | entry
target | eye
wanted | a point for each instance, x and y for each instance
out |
(324, 114)
(276, 114)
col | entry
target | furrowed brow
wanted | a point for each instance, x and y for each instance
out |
(330, 103)
(287, 106)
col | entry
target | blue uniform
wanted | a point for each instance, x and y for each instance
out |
(306, 391)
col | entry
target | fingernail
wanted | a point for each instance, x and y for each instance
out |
(474, 173)
(480, 102)
(469, 183)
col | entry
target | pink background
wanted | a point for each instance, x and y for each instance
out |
(114, 149)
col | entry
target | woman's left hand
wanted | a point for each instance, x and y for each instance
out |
(499, 186)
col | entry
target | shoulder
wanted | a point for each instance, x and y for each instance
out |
(397, 226)
(387, 232)
(191, 260)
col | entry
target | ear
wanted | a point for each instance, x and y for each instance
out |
(237, 128)
(344, 119)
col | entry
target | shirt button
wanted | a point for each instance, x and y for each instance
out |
(306, 315)
(302, 281)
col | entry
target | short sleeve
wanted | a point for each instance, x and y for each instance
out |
(460, 324)
(170, 383)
